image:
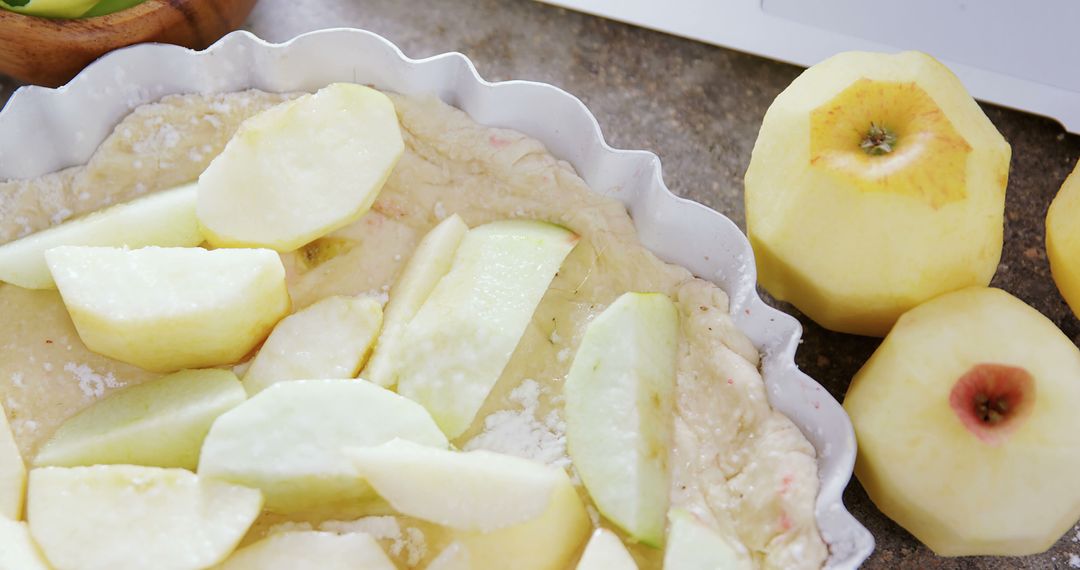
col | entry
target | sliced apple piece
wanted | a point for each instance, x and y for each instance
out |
(120, 517)
(164, 218)
(160, 423)
(300, 170)
(500, 507)
(606, 552)
(461, 338)
(311, 550)
(429, 262)
(1063, 239)
(967, 425)
(693, 545)
(453, 557)
(619, 397)
(12, 472)
(18, 551)
(328, 339)
(164, 309)
(287, 440)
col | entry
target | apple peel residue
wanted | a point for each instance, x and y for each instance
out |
(992, 400)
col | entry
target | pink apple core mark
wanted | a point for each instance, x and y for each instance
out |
(991, 400)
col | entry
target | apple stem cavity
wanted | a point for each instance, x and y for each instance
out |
(991, 399)
(878, 140)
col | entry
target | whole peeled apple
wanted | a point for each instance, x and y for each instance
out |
(967, 425)
(1063, 240)
(876, 183)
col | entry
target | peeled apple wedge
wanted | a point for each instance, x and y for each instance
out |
(455, 348)
(619, 417)
(693, 545)
(160, 423)
(18, 551)
(967, 425)
(288, 439)
(165, 218)
(452, 557)
(311, 550)
(301, 169)
(1063, 240)
(876, 183)
(429, 262)
(606, 552)
(502, 508)
(328, 339)
(12, 473)
(121, 517)
(165, 309)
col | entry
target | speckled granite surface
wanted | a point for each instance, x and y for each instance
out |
(699, 108)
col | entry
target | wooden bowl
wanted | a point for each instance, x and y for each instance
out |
(50, 52)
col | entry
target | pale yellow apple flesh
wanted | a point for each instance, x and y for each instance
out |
(461, 338)
(500, 507)
(606, 552)
(619, 411)
(122, 517)
(876, 183)
(967, 425)
(166, 218)
(1063, 240)
(12, 472)
(300, 170)
(694, 545)
(453, 557)
(160, 423)
(166, 309)
(311, 550)
(328, 339)
(18, 551)
(429, 262)
(288, 439)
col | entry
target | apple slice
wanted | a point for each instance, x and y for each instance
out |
(453, 557)
(12, 472)
(693, 545)
(1063, 239)
(287, 440)
(164, 218)
(120, 517)
(501, 507)
(461, 338)
(18, 551)
(311, 550)
(160, 423)
(429, 262)
(164, 309)
(328, 339)
(606, 552)
(967, 423)
(300, 170)
(619, 397)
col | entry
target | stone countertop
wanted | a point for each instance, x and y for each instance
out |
(699, 107)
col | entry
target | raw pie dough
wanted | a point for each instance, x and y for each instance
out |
(735, 460)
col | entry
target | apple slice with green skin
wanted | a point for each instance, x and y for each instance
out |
(462, 337)
(500, 507)
(606, 552)
(287, 441)
(693, 545)
(18, 551)
(166, 309)
(12, 472)
(164, 218)
(328, 339)
(619, 397)
(967, 425)
(301, 169)
(1063, 239)
(311, 550)
(160, 423)
(429, 262)
(120, 517)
